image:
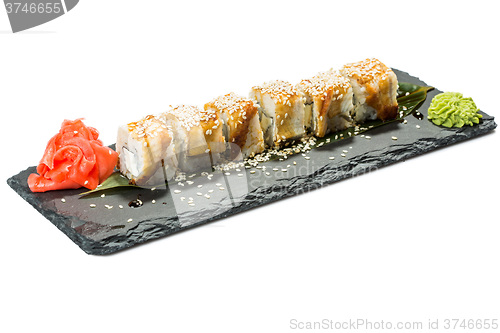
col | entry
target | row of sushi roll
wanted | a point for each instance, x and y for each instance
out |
(187, 138)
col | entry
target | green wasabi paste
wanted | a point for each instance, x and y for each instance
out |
(451, 109)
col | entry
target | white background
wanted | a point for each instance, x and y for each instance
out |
(414, 241)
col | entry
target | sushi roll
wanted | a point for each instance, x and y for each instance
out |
(196, 136)
(328, 103)
(241, 125)
(145, 151)
(375, 90)
(281, 112)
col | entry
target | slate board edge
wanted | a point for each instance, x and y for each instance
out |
(61, 222)
(153, 229)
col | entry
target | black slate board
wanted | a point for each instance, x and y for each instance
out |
(104, 230)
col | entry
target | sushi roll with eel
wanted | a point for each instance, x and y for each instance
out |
(241, 125)
(328, 103)
(281, 112)
(146, 155)
(196, 136)
(375, 90)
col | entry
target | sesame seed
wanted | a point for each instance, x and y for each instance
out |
(345, 151)
(63, 200)
(129, 220)
(417, 126)
(207, 196)
(331, 158)
(153, 201)
(177, 191)
(92, 205)
(103, 195)
(120, 206)
(280, 91)
(199, 193)
(394, 138)
(191, 116)
(343, 155)
(200, 186)
(108, 206)
(221, 188)
(367, 70)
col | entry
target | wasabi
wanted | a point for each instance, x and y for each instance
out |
(451, 109)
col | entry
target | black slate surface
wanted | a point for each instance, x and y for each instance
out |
(107, 228)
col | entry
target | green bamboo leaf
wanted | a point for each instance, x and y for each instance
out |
(116, 180)
(411, 97)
